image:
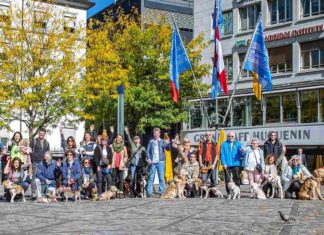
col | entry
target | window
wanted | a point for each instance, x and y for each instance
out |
(280, 11)
(228, 62)
(255, 110)
(245, 73)
(289, 107)
(312, 7)
(40, 19)
(69, 24)
(227, 28)
(239, 111)
(312, 54)
(249, 16)
(280, 59)
(222, 107)
(273, 109)
(321, 103)
(309, 109)
(195, 115)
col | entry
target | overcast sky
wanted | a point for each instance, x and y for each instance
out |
(100, 4)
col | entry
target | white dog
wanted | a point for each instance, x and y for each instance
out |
(207, 190)
(257, 191)
(275, 182)
(234, 190)
(143, 187)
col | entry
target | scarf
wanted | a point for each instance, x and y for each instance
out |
(118, 148)
(295, 169)
(86, 170)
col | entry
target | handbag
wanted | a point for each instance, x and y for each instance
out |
(258, 166)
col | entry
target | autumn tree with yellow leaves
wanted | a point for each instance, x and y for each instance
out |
(123, 51)
(41, 52)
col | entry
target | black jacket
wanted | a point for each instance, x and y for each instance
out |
(98, 156)
(37, 150)
(269, 148)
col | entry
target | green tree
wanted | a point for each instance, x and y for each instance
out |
(40, 64)
(142, 52)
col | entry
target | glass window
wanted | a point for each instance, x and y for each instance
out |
(195, 115)
(69, 24)
(312, 54)
(222, 107)
(281, 11)
(312, 7)
(239, 111)
(289, 107)
(321, 101)
(228, 62)
(273, 109)
(257, 118)
(309, 108)
(280, 59)
(249, 16)
(245, 73)
(227, 28)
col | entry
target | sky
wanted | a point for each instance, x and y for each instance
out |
(100, 4)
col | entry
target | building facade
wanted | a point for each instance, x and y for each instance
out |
(155, 10)
(294, 34)
(76, 13)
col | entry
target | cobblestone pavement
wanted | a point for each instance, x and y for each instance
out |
(158, 216)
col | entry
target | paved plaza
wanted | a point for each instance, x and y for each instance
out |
(158, 216)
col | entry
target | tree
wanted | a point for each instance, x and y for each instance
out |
(141, 52)
(41, 52)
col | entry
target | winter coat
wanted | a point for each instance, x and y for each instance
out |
(98, 157)
(270, 148)
(123, 160)
(75, 170)
(48, 171)
(231, 157)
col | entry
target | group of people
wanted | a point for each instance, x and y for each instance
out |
(98, 164)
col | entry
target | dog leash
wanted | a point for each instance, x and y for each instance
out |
(229, 176)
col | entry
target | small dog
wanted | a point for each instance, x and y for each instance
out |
(244, 177)
(206, 189)
(110, 194)
(234, 190)
(51, 195)
(275, 182)
(94, 194)
(143, 184)
(14, 190)
(180, 181)
(171, 192)
(258, 192)
(69, 193)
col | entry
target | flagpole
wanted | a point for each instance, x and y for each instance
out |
(193, 74)
(216, 99)
(241, 70)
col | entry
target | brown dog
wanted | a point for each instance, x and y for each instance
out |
(69, 193)
(171, 192)
(94, 194)
(180, 181)
(310, 189)
(319, 174)
(110, 194)
(14, 190)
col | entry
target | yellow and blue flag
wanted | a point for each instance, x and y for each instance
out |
(258, 61)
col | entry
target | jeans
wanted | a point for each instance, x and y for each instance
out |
(118, 178)
(39, 184)
(160, 167)
(102, 179)
(234, 170)
(212, 175)
(33, 184)
(134, 177)
(293, 188)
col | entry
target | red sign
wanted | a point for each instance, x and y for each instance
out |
(294, 33)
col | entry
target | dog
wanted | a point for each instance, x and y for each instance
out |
(258, 192)
(235, 191)
(126, 188)
(69, 193)
(275, 182)
(110, 194)
(14, 190)
(142, 188)
(310, 189)
(180, 181)
(171, 192)
(205, 188)
(51, 195)
(319, 174)
(244, 177)
(94, 194)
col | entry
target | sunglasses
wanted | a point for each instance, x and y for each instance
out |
(208, 134)
(231, 136)
(70, 140)
(186, 141)
(86, 162)
(253, 143)
(69, 154)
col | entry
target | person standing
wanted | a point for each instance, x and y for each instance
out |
(155, 158)
(254, 163)
(87, 148)
(302, 157)
(231, 152)
(137, 160)
(208, 158)
(39, 147)
(272, 145)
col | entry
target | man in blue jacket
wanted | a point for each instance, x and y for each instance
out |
(47, 173)
(231, 152)
(155, 157)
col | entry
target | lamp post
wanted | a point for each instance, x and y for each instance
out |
(120, 111)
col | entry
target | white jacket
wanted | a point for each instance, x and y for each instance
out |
(287, 175)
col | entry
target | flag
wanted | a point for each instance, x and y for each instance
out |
(219, 73)
(221, 140)
(179, 62)
(258, 61)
